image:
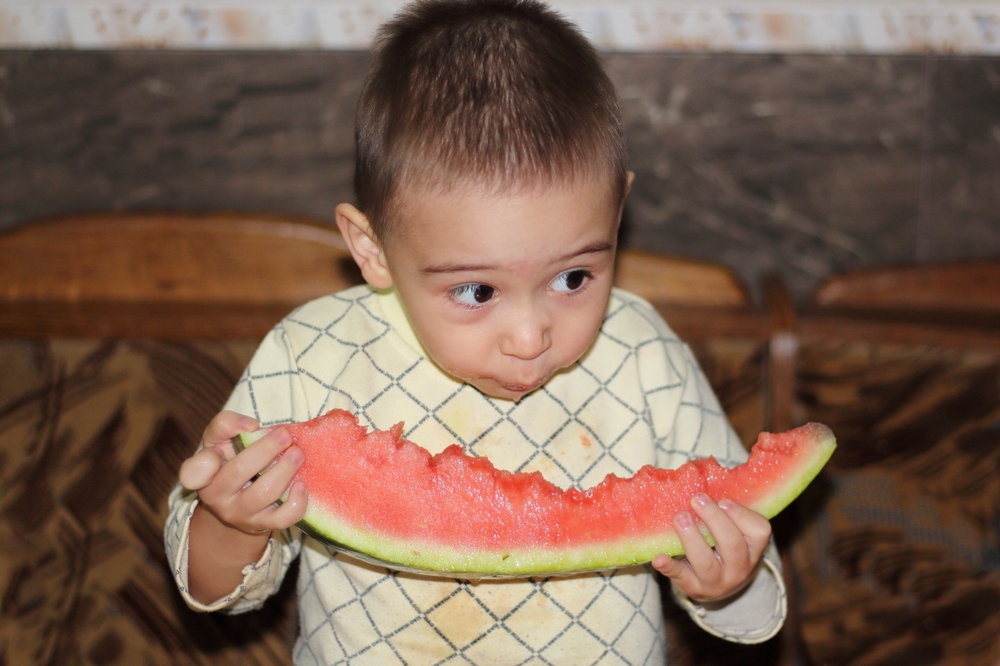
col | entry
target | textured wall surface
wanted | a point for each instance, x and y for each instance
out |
(717, 26)
(811, 165)
(803, 164)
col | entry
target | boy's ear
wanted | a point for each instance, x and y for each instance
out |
(367, 253)
(628, 188)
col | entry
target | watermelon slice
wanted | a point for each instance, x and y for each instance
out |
(388, 501)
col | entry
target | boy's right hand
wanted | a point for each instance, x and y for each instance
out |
(224, 480)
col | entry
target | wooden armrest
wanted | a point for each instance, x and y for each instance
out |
(950, 304)
(971, 286)
(672, 281)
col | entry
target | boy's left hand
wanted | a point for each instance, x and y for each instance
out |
(712, 574)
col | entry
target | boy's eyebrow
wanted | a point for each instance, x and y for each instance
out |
(593, 248)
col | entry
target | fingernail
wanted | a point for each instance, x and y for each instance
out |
(247, 424)
(683, 519)
(725, 505)
(295, 454)
(283, 437)
(701, 499)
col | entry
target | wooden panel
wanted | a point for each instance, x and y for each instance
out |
(675, 281)
(165, 276)
(703, 323)
(139, 320)
(972, 286)
(219, 276)
(172, 258)
(953, 305)
(223, 276)
(223, 321)
(933, 329)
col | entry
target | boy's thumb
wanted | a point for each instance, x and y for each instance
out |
(199, 470)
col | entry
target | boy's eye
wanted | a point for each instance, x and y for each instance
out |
(571, 281)
(473, 294)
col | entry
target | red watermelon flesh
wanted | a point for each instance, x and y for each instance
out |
(390, 499)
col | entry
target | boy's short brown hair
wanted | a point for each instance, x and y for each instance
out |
(504, 93)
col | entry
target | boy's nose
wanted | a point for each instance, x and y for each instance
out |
(527, 336)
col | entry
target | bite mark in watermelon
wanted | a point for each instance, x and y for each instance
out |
(390, 500)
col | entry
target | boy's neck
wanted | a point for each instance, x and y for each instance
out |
(392, 308)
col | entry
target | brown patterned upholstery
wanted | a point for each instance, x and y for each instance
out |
(898, 553)
(91, 436)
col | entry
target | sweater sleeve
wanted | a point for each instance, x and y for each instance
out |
(754, 615)
(271, 392)
(691, 424)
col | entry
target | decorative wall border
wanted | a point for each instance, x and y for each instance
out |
(741, 26)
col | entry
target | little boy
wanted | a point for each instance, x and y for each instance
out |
(491, 174)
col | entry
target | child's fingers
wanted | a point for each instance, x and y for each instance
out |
(741, 535)
(199, 470)
(256, 508)
(225, 426)
(273, 483)
(234, 499)
(676, 569)
(699, 569)
(701, 558)
(730, 543)
(290, 511)
(755, 528)
(252, 460)
(680, 573)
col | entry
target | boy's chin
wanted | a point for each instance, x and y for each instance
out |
(496, 389)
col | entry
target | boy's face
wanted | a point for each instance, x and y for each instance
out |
(504, 290)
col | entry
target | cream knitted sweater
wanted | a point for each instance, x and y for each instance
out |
(636, 397)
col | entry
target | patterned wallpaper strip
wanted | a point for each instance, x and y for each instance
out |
(876, 26)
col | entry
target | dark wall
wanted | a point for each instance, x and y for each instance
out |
(804, 164)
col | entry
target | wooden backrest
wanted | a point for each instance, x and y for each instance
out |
(230, 258)
(950, 304)
(667, 281)
(181, 257)
(972, 286)
(172, 258)
(182, 276)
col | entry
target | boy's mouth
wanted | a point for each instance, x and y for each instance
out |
(522, 388)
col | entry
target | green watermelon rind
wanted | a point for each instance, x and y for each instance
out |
(442, 559)
(782, 494)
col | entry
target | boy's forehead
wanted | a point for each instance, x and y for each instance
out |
(469, 228)
(413, 202)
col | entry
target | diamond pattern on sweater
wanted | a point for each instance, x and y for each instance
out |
(636, 398)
